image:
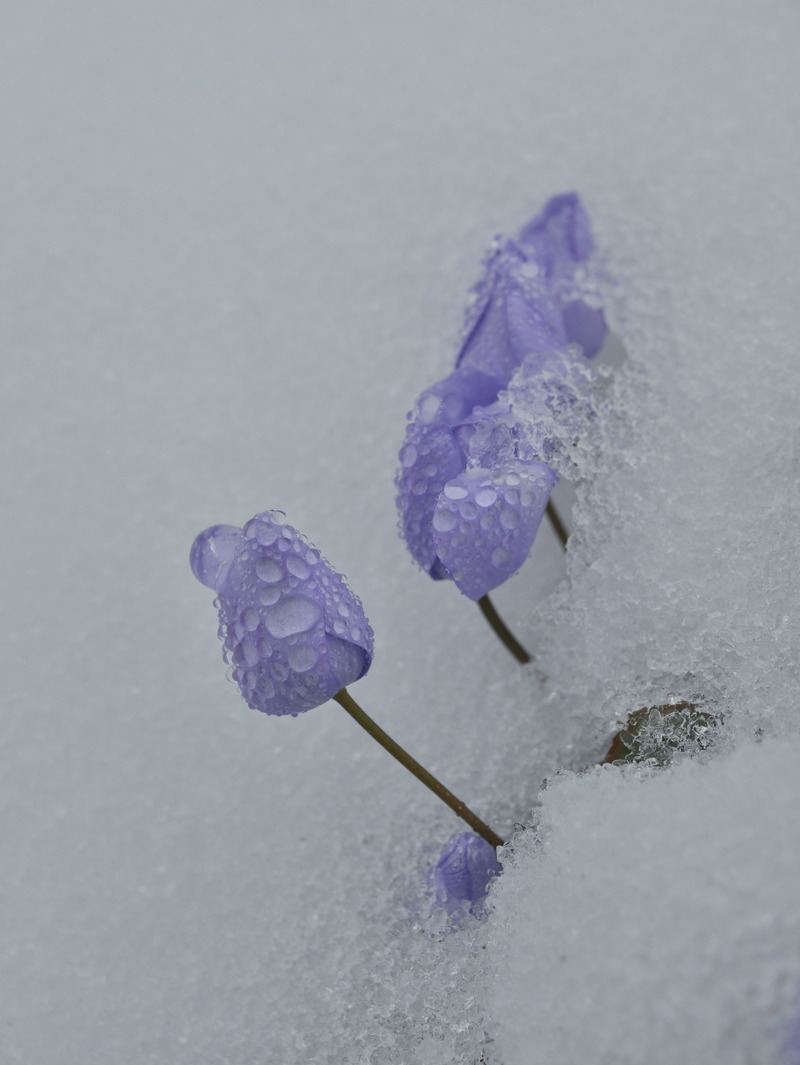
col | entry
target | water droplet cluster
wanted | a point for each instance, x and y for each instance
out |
(485, 522)
(293, 632)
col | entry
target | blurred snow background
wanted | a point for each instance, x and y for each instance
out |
(237, 241)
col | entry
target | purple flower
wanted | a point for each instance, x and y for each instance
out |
(464, 871)
(530, 298)
(293, 632)
(462, 444)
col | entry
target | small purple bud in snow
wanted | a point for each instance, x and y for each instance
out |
(293, 632)
(464, 871)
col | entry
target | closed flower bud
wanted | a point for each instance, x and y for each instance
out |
(293, 633)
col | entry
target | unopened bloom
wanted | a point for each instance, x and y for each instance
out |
(462, 447)
(464, 871)
(293, 632)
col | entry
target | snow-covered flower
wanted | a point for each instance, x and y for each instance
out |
(470, 500)
(464, 871)
(293, 632)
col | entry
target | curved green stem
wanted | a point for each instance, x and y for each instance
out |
(504, 634)
(345, 700)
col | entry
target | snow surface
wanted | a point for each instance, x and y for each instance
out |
(237, 242)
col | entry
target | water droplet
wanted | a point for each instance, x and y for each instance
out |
(444, 520)
(312, 558)
(298, 567)
(500, 556)
(468, 511)
(267, 688)
(355, 632)
(269, 595)
(509, 518)
(419, 487)
(291, 615)
(250, 619)
(526, 498)
(213, 553)
(302, 658)
(455, 491)
(266, 534)
(249, 652)
(485, 496)
(264, 648)
(430, 470)
(429, 408)
(339, 627)
(512, 478)
(512, 496)
(408, 456)
(344, 610)
(269, 570)
(249, 680)
(284, 544)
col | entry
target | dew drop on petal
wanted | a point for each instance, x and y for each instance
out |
(509, 518)
(269, 570)
(269, 595)
(298, 567)
(408, 456)
(444, 520)
(344, 610)
(266, 534)
(302, 658)
(250, 619)
(468, 511)
(485, 496)
(213, 553)
(455, 491)
(500, 556)
(512, 496)
(429, 408)
(291, 615)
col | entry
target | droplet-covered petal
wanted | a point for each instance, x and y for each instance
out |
(293, 632)
(213, 554)
(466, 868)
(485, 522)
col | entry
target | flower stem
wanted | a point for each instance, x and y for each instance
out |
(558, 525)
(504, 635)
(345, 700)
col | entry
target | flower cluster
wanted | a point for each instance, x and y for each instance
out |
(471, 491)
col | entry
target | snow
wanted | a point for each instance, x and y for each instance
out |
(237, 244)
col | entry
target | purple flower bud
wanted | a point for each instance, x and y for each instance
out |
(431, 456)
(463, 437)
(528, 299)
(485, 522)
(293, 632)
(464, 871)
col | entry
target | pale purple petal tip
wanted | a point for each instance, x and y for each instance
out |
(485, 522)
(465, 870)
(293, 632)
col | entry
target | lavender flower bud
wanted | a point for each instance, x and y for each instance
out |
(465, 870)
(293, 632)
